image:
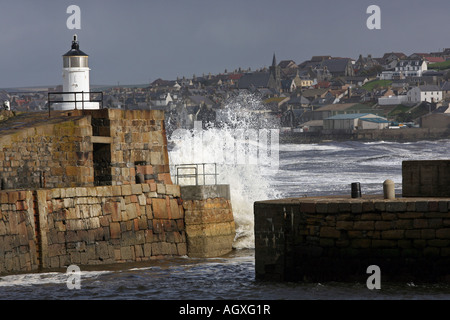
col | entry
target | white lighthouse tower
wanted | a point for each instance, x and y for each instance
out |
(76, 80)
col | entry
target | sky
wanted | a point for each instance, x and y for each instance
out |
(139, 41)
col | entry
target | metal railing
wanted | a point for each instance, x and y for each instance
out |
(75, 100)
(196, 171)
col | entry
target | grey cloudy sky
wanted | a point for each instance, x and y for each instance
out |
(138, 41)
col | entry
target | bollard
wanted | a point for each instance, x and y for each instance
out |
(356, 190)
(389, 189)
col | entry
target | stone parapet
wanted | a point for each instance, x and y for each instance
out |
(83, 148)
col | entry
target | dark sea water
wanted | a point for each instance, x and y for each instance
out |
(310, 169)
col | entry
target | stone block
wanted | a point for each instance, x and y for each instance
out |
(136, 189)
(384, 225)
(393, 234)
(344, 225)
(420, 223)
(126, 190)
(160, 188)
(443, 233)
(115, 230)
(329, 232)
(364, 225)
(142, 199)
(160, 208)
(427, 233)
(173, 190)
(361, 243)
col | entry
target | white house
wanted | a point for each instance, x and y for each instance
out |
(405, 68)
(427, 93)
(164, 100)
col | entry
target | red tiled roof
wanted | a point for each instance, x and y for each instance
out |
(434, 59)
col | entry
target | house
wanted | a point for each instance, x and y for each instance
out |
(330, 110)
(305, 82)
(288, 68)
(288, 85)
(366, 65)
(356, 81)
(198, 100)
(163, 100)
(390, 60)
(287, 64)
(355, 121)
(445, 90)
(297, 101)
(405, 68)
(312, 94)
(425, 93)
(339, 67)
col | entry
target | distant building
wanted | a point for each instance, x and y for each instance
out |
(365, 63)
(163, 100)
(390, 59)
(445, 90)
(339, 67)
(355, 121)
(427, 93)
(436, 120)
(405, 68)
(256, 80)
(392, 100)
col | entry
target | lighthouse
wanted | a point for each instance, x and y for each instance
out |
(76, 80)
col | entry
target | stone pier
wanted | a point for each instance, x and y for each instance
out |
(338, 238)
(89, 187)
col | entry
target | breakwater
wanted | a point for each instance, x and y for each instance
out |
(337, 238)
(89, 187)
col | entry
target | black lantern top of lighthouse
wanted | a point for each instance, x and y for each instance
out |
(75, 50)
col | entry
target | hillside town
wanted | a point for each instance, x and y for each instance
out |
(324, 93)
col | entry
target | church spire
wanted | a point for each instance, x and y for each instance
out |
(274, 60)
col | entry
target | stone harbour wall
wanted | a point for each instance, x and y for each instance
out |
(90, 187)
(54, 228)
(337, 238)
(47, 154)
(83, 148)
(18, 245)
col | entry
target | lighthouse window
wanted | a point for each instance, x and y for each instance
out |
(75, 62)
